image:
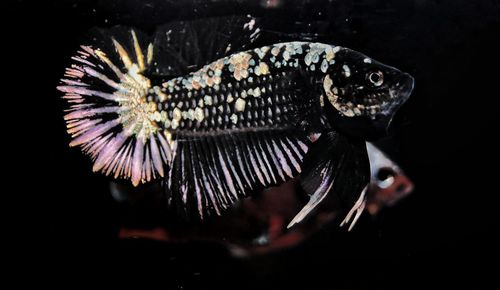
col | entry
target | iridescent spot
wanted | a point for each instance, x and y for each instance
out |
(324, 66)
(234, 118)
(177, 114)
(308, 59)
(261, 52)
(286, 55)
(264, 68)
(329, 54)
(239, 105)
(256, 92)
(315, 57)
(198, 114)
(210, 82)
(190, 114)
(240, 64)
(275, 51)
(208, 100)
(174, 124)
(347, 71)
(298, 49)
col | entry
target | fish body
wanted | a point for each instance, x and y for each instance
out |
(237, 124)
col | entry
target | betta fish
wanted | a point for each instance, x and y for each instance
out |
(215, 118)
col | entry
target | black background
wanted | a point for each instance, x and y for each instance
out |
(444, 138)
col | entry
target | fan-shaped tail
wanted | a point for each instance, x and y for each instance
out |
(110, 115)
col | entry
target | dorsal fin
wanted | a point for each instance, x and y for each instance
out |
(185, 46)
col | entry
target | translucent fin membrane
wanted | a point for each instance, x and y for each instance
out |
(212, 172)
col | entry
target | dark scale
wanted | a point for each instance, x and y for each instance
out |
(189, 124)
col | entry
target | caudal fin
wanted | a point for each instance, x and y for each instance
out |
(110, 115)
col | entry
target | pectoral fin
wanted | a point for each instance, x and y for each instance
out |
(335, 165)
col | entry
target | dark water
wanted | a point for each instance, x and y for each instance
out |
(443, 138)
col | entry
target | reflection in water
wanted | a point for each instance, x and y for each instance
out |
(258, 225)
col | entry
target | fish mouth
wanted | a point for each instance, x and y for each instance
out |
(403, 87)
(399, 93)
(384, 103)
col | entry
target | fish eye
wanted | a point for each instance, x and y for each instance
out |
(376, 78)
(385, 177)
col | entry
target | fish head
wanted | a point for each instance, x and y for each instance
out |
(364, 92)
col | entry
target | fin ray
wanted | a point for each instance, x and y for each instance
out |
(178, 45)
(227, 175)
(335, 166)
(107, 76)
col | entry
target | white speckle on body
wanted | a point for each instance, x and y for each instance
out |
(208, 100)
(239, 105)
(234, 118)
(347, 70)
(174, 124)
(324, 66)
(157, 116)
(177, 114)
(190, 114)
(198, 114)
(256, 92)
